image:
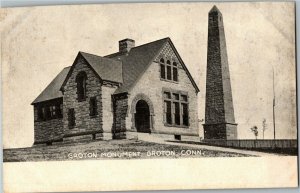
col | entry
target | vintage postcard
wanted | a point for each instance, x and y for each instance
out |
(152, 96)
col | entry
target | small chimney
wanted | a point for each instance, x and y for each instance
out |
(125, 45)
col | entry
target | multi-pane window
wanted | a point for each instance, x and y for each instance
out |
(41, 114)
(168, 70)
(175, 71)
(185, 114)
(162, 69)
(71, 118)
(93, 106)
(176, 111)
(168, 108)
(81, 86)
(52, 111)
(49, 111)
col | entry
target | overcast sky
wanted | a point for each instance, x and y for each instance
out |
(38, 42)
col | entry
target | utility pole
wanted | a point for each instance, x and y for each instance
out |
(264, 127)
(273, 104)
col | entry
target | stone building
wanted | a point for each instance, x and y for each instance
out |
(139, 89)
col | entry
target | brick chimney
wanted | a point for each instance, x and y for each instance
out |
(125, 45)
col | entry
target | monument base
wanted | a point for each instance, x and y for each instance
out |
(220, 131)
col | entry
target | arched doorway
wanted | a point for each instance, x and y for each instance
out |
(142, 117)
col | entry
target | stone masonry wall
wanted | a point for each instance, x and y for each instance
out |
(218, 101)
(120, 105)
(219, 105)
(231, 131)
(214, 106)
(84, 122)
(46, 131)
(151, 85)
(215, 131)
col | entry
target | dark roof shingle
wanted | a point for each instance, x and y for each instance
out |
(136, 62)
(106, 68)
(52, 90)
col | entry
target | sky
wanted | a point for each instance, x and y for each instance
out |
(38, 42)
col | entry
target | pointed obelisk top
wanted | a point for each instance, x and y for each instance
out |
(219, 111)
(214, 9)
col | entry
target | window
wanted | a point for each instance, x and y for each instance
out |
(59, 110)
(41, 114)
(168, 110)
(185, 114)
(175, 72)
(169, 73)
(176, 109)
(177, 137)
(162, 68)
(81, 86)
(71, 118)
(93, 106)
(52, 111)
(48, 111)
(168, 70)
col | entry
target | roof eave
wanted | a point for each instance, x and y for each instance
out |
(184, 66)
(36, 102)
(72, 67)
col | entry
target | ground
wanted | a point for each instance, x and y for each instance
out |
(117, 149)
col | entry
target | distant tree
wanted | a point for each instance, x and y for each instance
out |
(264, 127)
(254, 129)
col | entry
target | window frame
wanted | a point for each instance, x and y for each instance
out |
(172, 64)
(93, 107)
(162, 68)
(49, 110)
(81, 77)
(71, 118)
(182, 98)
(41, 113)
(52, 111)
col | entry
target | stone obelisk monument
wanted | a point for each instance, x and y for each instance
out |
(219, 112)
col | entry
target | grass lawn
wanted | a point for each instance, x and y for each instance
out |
(113, 149)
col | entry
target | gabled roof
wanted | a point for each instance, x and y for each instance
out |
(184, 66)
(52, 90)
(137, 61)
(105, 68)
(120, 67)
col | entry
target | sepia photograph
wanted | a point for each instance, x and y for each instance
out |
(161, 83)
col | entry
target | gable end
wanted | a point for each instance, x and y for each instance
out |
(180, 61)
(78, 57)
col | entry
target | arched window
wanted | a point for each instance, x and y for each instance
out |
(168, 70)
(162, 69)
(81, 86)
(175, 72)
